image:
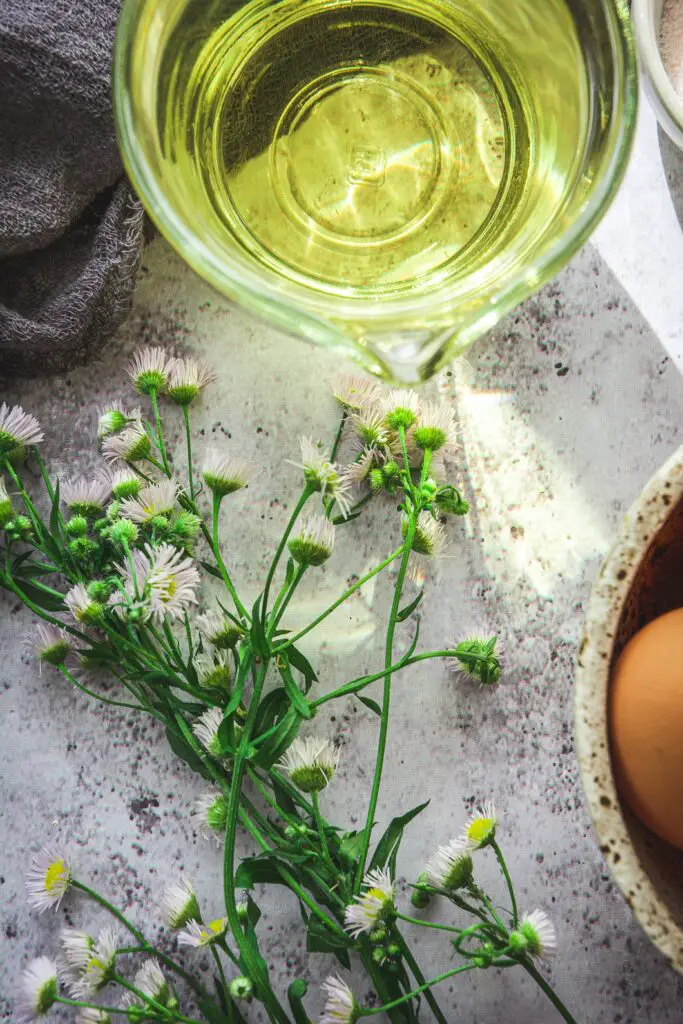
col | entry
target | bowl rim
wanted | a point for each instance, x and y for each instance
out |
(646, 516)
(647, 39)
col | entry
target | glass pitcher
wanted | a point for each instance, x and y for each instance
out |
(386, 176)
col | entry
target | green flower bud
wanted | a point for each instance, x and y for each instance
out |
(82, 548)
(475, 657)
(429, 437)
(77, 526)
(376, 479)
(99, 591)
(394, 951)
(241, 988)
(379, 955)
(160, 524)
(113, 510)
(23, 525)
(243, 911)
(378, 935)
(419, 898)
(123, 533)
(186, 526)
(518, 943)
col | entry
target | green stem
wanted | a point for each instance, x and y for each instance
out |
(420, 979)
(416, 991)
(359, 684)
(347, 593)
(428, 924)
(508, 881)
(254, 967)
(278, 612)
(188, 445)
(144, 999)
(321, 832)
(137, 934)
(160, 432)
(338, 437)
(546, 988)
(105, 700)
(214, 951)
(305, 495)
(384, 721)
(120, 1010)
(219, 560)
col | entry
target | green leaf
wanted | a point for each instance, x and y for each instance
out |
(211, 569)
(259, 642)
(411, 650)
(391, 839)
(253, 912)
(280, 740)
(299, 702)
(184, 751)
(54, 512)
(320, 939)
(406, 612)
(257, 870)
(350, 846)
(271, 707)
(284, 800)
(303, 665)
(340, 520)
(48, 602)
(370, 703)
(295, 994)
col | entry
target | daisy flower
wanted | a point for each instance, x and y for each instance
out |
(48, 878)
(213, 670)
(77, 950)
(359, 470)
(179, 904)
(372, 432)
(197, 935)
(219, 630)
(85, 497)
(123, 483)
(205, 729)
(6, 509)
(47, 643)
(210, 814)
(323, 475)
(480, 828)
(153, 500)
(224, 474)
(186, 378)
(17, 429)
(435, 428)
(149, 369)
(429, 538)
(91, 1015)
(353, 391)
(38, 990)
(372, 905)
(130, 445)
(450, 868)
(313, 542)
(340, 1006)
(538, 932)
(151, 981)
(162, 581)
(82, 606)
(100, 965)
(311, 763)
(113, 417)
(400, 408)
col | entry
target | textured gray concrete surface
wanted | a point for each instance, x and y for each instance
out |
(565, 411)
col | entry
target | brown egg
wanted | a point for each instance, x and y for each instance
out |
(646, 724)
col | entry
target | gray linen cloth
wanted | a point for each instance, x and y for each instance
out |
(71, 228)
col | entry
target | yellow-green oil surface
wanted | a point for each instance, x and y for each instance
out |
(380, 149)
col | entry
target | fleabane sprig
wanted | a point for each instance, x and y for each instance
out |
(435, 428)
(477, 658)
(480, 828)
(373, 906)
(38, 990)
(535, 936)
(48, 643)
(223, 474)
(179, 904)
(322, 475)
(312, 541)
(18, 431)
(310, 763)
(186, 378)
(149, 370)
(48, 878)
(400, 409)
(340, 1003)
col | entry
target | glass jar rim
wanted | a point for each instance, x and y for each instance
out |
(647, 38)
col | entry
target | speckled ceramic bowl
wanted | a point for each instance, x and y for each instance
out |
(641, 578)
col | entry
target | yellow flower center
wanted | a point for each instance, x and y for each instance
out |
(55, 875)
(171, 588)
(217, 926)
(377, 894)
(480, 829)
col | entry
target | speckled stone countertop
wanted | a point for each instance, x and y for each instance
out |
(566, 409)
